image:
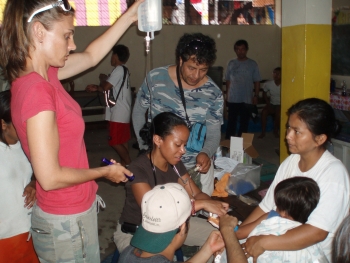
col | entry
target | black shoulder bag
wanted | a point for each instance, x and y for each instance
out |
(109, 96)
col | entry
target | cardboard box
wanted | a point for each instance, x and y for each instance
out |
(241, 148)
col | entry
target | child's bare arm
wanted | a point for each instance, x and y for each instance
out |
(244, 231)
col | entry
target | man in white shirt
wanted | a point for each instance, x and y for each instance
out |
(273, 103)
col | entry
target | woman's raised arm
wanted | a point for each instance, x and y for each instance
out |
(99, 48)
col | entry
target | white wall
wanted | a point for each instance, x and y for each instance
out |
(264, 47)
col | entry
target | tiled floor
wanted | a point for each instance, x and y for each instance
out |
(113, 194)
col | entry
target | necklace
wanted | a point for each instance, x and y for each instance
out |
(175, 170)
(153, 168)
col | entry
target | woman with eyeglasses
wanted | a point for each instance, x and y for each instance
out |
(35, 45)
(162, 164)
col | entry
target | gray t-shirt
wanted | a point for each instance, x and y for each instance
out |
(242, 75)
(129, 255)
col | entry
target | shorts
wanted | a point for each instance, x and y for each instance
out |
(66, 238)
(119, 133)
(18, 249)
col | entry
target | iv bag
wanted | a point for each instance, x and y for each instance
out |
(150, 16)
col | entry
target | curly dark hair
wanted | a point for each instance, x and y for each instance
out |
(198, 45)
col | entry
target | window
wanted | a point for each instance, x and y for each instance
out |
(92, 12)
(178, 12)
(218, 12)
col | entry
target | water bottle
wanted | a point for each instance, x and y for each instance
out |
(150, 16)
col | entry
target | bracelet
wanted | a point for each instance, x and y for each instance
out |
(193, 211)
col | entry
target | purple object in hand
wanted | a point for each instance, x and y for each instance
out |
(130, 178)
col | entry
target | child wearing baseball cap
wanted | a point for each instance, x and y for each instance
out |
(165, 213)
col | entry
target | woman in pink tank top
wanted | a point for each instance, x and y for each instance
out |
(35, 51)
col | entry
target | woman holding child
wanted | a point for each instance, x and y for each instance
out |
(35, 45)
(311, 124)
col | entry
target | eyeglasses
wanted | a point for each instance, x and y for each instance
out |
(64, 4)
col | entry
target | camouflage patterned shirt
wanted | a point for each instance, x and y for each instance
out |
(203, 104)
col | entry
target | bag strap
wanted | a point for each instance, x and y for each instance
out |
(182, 93)
(121, 86)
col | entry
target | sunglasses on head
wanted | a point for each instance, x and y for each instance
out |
(197, 44)
(64, 4)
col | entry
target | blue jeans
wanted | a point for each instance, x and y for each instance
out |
(66, 238)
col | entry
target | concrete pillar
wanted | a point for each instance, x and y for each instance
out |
(306, 55)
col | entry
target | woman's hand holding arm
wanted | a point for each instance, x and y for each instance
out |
(212, 206)
(202, 200)
(294, 239)
(99, 48)
(44, 143)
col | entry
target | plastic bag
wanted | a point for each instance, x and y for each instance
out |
(244, 178)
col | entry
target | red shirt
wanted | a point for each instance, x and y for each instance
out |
(31, 94)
